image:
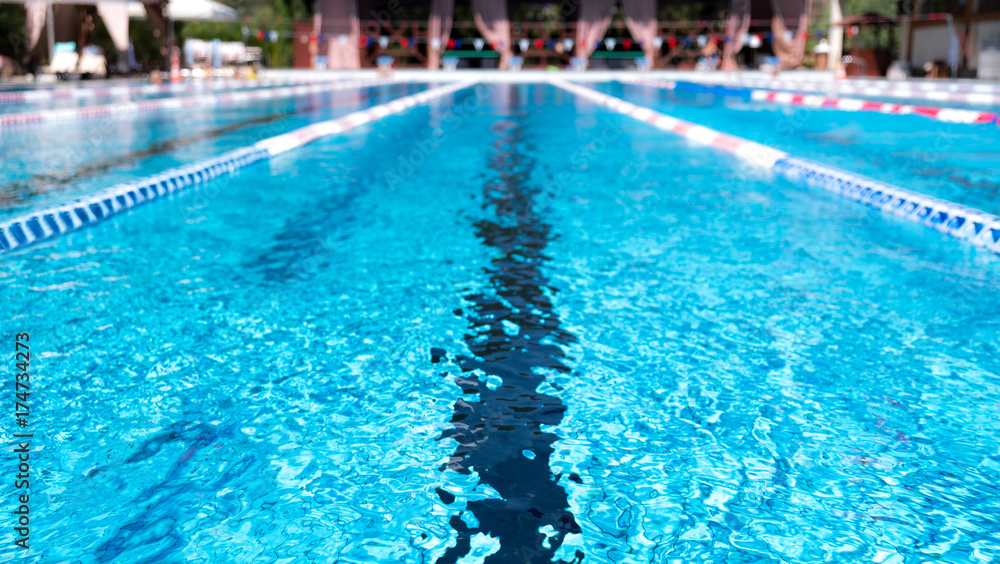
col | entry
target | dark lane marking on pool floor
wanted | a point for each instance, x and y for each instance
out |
(22, 190)
(311, 239)
(154, 528)
(514, 335)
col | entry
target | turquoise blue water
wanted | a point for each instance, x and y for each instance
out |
(49, 163)
(953, 161)
(509, 325)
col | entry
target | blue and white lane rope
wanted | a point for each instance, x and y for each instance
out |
(9, 121)
(57, 220)
(81, 92)
(968, 224)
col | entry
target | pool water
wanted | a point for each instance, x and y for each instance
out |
(509, 326)
(52, 162)
(953, 161)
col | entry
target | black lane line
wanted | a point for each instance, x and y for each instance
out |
(313, 238)
(24, 189)
(494, 432)
(310, 240)
(167, 505)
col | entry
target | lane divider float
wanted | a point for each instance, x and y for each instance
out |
(879, 84)
(46, 94)
(58, 220)
(970, 94)
(186, 102)
(977, 227)
(948, 115)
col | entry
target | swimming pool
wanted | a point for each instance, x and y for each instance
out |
(507, 324)
(954, 161)
(58, 96)
(52, 162)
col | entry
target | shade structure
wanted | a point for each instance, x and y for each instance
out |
(189, 11)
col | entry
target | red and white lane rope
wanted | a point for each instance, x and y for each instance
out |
(877, 85)
(979, 94)
(975, 226)
(57, 220)
(123, 108)
(46, 94)
(949, 115)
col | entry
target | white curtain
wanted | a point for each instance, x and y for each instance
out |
(36, 22)
(791, 52)
(593, 21)
(342, 33)
(494, 26)
(737, 25)
(115, 16)
(438, 28)
(640, 17)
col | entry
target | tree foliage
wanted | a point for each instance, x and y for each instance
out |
(13, 38)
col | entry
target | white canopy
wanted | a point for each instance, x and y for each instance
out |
(116, 14)
(189, 11)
